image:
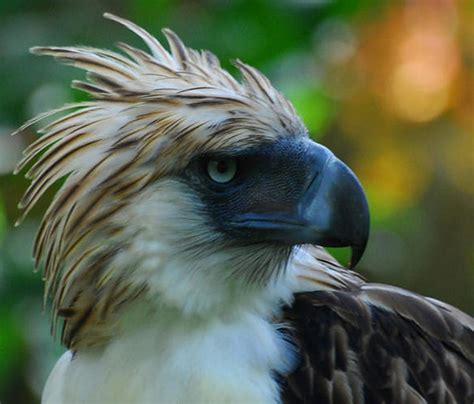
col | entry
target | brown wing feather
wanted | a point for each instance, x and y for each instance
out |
(378, 344)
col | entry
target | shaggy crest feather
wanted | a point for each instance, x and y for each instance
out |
(149, 114)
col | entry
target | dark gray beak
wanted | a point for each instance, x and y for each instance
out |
(334, 210)
(331, 212)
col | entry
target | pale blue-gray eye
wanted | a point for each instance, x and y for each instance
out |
(222, 171)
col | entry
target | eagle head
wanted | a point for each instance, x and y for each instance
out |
(183, 187)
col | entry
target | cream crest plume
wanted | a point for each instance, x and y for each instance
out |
(149, 114)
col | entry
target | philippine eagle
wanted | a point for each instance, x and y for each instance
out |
(184, 250)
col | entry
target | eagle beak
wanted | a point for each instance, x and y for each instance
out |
(334, 210)
(331, 212)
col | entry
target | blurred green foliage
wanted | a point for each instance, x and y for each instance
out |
(384, 84)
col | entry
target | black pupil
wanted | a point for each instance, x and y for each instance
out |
(222, 166)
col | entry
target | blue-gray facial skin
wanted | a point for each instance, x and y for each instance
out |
(292, 191)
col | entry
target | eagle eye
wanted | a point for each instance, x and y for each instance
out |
(222, 171)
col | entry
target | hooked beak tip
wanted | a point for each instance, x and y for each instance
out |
(356, 254)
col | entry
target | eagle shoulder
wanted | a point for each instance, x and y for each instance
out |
(372, 343)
